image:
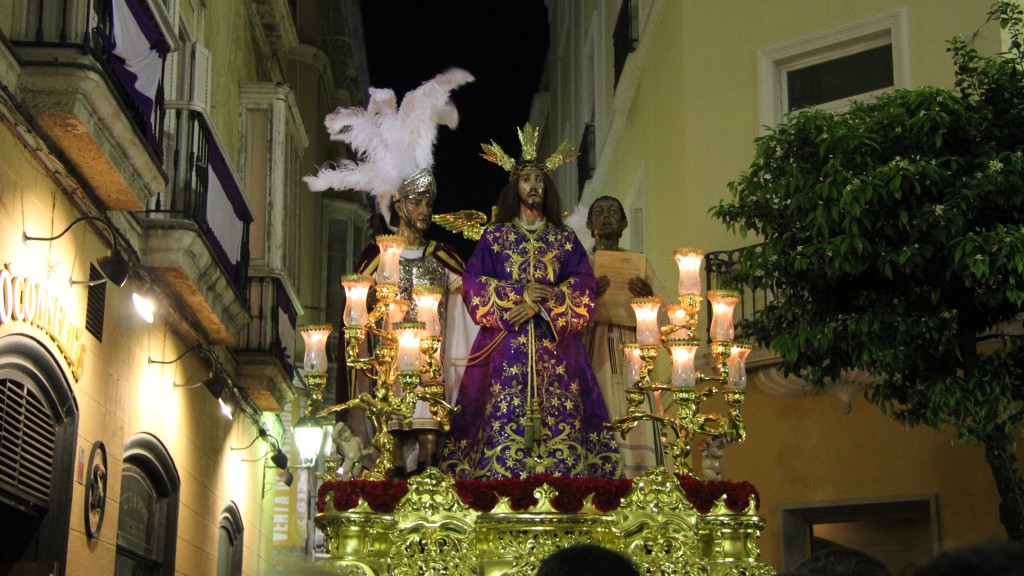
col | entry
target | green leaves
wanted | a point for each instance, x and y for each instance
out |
(894, 236)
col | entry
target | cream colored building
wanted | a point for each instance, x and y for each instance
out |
(673, 122)
(171, 134)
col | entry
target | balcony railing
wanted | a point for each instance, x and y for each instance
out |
(274, 317)
(587, 160)
(204, 190)
(125, 39)
(717, 263)
(624, 39)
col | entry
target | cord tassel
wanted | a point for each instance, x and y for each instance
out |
(531, 422)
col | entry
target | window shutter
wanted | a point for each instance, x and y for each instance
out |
(201, 71)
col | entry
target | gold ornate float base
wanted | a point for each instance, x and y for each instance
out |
(431, 531)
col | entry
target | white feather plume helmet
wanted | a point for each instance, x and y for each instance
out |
(391, 142)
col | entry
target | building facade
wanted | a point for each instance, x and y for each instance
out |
(666, 99)
(155, 148)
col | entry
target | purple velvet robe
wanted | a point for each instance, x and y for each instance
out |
(488, 436)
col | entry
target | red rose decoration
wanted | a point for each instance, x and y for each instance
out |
(483, 495)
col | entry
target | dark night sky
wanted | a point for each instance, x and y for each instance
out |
(503, 44)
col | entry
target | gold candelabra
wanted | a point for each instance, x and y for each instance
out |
(404, 365)
(687, 388)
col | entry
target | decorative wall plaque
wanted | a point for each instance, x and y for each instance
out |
(95, 490)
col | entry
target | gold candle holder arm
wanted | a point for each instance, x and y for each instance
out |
(440, 409)
(429, 346)
(626, 423)
(354, 338)
(734, 398)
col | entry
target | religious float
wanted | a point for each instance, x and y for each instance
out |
(666, 520)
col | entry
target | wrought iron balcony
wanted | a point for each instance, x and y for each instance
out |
(266, 367)
(92, 78)
(716, 264)
(197, 231)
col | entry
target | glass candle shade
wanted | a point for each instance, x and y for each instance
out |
(688, 260)
(427, 300)
(677, 317)
(315, 339)
(646, 310)
(397, 310)
(684, 373)
(408, 335)
(391, 246)
(723, 302)
(737, 364)
(633, 364)
(357, 287)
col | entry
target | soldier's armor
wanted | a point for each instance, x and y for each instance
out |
(423, 271)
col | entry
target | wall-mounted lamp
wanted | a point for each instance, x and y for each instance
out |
(113, 266)
(228, 402)
(277, 457)
(217, 383)
(144, 306)
(283, 476)
(143, 297)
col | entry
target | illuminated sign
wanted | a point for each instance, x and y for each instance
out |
(28, 300)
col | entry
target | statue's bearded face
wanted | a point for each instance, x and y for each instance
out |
(531, 188)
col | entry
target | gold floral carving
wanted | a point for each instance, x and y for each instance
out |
(733, 549)
(435, 531)
(432, 531)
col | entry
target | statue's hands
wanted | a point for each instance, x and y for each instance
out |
(603, 282)
(455, 287)
(639, 288)
(538, 293)
(521, 313)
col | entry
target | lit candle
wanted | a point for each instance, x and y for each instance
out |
(391, 246)
(737, 364)
(688, 260)
(357, 287)
(427, 300)
(397, 311)
(315, 339)
(684, 373)
(677, 317)
(633, 364)
(723, 302)
(646, 310)
(408, 334)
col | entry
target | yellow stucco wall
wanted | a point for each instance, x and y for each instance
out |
(6, 17)
(805, 451)
(119, 393)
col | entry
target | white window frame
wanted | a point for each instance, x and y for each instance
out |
(775, 61)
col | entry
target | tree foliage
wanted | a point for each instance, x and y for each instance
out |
(894, 241)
